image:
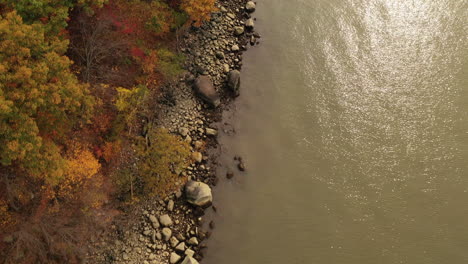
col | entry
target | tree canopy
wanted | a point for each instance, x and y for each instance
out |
(40, 98)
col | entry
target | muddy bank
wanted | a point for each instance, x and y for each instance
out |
(170, 230)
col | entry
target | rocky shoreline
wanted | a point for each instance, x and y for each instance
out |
(170, 230)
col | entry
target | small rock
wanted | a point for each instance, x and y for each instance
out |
(250, 6)
(234, 82)
(198, 144)
(180, 247)
(238, 31)
(158, 235)
(125, 256)
(226, 68)
(189, 260)
(219, 55)
(253, 40)
(183, 131)
(229, 175)
(173, 241)
(249, 24)
(167, 233)
(241, 166)
(165, 220)
(197, 156)
(211, 132)
(154, 221)
(170, 205)
(174, 258)
(193, 241)
(235, 47)
(189, 252)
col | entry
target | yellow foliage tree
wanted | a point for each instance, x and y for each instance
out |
(199, 10)
(80, 167)
(160, 160)
(40, 99)
(6, 218)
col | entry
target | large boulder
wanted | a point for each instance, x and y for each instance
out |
(234, 81)
(189, 260)
(198, 193)
(206, 90)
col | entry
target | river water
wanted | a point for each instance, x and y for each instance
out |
(353, 125)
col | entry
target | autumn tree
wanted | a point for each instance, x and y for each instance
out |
(160, 161)
(53, 14)
(40, 99)
(80, 167)
(199, 10)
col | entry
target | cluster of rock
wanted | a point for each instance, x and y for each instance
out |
(169, 230)
(164, 232)
(215, 56)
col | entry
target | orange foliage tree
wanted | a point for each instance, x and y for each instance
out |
(199, 10)
(80, 167)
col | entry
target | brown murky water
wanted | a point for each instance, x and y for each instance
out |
(353, 123)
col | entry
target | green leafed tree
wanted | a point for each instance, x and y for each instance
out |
(40, 98)
(53, 14)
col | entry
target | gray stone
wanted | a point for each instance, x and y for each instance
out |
(180, 247)
(249, 24)
(173, 241)
(193, 241)
(189, 260)
(198, 144)
(165, 220)
(183, 131)
(234, 81)
(198, 193)
(154, 221)
(189, 252)
(211, 132)
(167, 233)
(197, 156)
(226, 68)
(238, 31)
(206, 90)
(158, 235)
(250, 6)
(170, 205)
(253, 40)
(174, 258)
(219, 55)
